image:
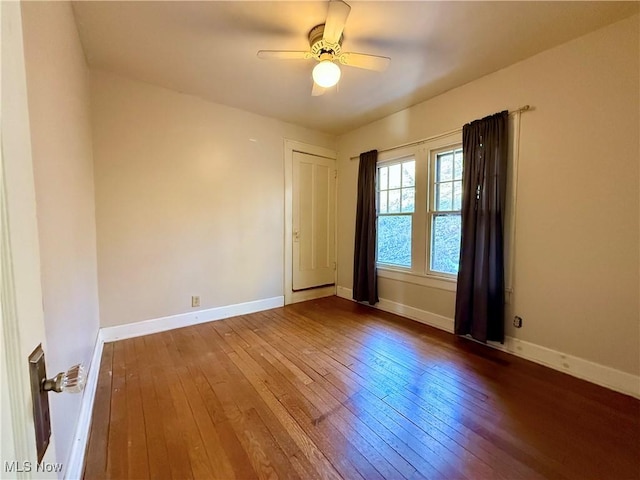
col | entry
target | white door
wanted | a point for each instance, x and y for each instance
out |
(21, 316)
(314, 221)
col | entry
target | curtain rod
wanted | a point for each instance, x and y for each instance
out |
(524, 108)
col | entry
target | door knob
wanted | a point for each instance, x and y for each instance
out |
(71, 381)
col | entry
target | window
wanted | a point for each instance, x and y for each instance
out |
(396, 191)
(419, 211)
(444, 216)
(419, 194)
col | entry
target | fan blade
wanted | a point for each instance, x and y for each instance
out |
(283, 55)
(362, 60)
(317, 90)
(336, 18)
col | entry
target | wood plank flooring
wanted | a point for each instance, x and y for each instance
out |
(332, 389)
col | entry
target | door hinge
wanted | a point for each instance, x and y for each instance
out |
(334, 265)
(335, 174)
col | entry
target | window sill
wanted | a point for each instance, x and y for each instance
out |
(431, 281)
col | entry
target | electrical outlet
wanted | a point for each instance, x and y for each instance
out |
(195, 301)
(517, 322)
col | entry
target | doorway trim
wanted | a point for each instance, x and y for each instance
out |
(16, 434)
(290, 296)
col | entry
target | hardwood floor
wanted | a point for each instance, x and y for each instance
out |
(332, 389)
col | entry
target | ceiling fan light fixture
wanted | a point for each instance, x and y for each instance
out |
(326, 73)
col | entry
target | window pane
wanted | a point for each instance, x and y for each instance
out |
(444, 196)
(457, 195)
(394, 176)
(383, 175)
(458, 165)
(444, 167)
(409, 174)
(394, 239)
(408, 199)
(445, 243)
(382, 202)
(394, 201)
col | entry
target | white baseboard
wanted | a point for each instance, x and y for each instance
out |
(146, 327)
(75, 463)
(422, 316)
(575, 366)
(578, 367)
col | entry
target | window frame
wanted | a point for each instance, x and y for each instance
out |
(419, 273)
(432, 212)
(388, 163)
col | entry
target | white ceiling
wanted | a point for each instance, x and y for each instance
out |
(208, 49)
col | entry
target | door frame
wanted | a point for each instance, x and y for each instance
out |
(16, 436)
(290, 296)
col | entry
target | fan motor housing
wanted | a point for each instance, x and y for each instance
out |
(319, 46)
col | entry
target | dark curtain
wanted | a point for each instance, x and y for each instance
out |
(480, 292)
(365, 282)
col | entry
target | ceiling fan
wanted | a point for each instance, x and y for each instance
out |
(325, 41)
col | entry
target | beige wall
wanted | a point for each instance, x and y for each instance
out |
(58, 95)
(189, 199)
(576, 277)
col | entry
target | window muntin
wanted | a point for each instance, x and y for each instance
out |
(444, 211)
(396, 191)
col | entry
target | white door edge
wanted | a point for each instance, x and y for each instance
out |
(22, 317)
